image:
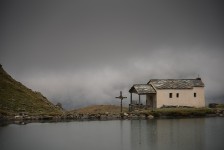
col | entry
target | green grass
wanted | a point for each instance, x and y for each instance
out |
(99, 109)
(220, 106)
(15, 98)
(185, 111)
(179, 112)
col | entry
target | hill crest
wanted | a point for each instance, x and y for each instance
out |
(16, 98)
(100, 109)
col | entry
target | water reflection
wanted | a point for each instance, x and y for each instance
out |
(168, 134)
(175, 134)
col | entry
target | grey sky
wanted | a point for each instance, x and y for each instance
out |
(85, 52)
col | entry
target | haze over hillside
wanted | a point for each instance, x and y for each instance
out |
(15, 98)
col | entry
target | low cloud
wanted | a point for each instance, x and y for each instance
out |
(76, 88)
(81, 53)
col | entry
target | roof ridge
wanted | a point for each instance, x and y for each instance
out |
(176, 83)
(174, 79)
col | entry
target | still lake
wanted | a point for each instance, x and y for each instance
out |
(156, 134)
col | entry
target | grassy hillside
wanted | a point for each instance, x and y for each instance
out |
(100, 109)
(15, 98)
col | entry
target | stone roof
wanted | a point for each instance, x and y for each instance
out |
(176, 83)
(142, 89)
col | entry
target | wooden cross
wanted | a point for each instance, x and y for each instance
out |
(121, 98)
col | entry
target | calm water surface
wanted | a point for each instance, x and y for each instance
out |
(169, 134)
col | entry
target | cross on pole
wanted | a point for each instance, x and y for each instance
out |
(121, 98)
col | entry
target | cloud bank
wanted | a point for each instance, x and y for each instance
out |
(79, 87)
(85, 52)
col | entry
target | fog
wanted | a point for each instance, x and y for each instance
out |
(85, 52)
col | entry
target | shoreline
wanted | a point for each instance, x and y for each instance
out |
(24, 121)
(136, 115)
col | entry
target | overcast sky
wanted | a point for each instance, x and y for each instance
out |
(84, 52)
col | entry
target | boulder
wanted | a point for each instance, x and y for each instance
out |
(18, 117)
(125, 114)
(150, 117)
